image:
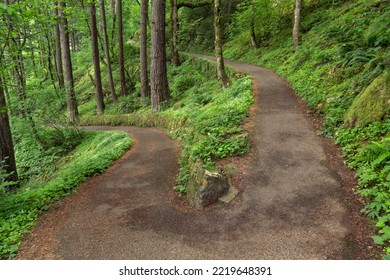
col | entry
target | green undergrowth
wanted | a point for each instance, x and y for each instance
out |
(341, 72)
(19, 210)
(202, 115)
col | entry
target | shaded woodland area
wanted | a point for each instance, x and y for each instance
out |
(68, 63)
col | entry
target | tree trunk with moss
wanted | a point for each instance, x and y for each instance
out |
(96, 59)
(297, 23)
(158, 71)
(59, 67)
(253, 31)
(175, 27)
(7, 157)
(106, 46)
(145, 88)
(67, 64)
(120, 47)
(221, 73)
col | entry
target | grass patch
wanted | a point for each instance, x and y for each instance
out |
(19, 210)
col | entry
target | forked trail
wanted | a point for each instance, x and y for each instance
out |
(292, 204)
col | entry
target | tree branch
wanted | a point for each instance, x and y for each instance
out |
(193, 5)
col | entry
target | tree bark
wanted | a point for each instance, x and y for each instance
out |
(96, 59)
(253, 31)
(297, 23)
(121, 54)
(113, 28)
(7, 156)
(20, 81)
(49, 61)
(158, 72)
(67, 64)
(59, 66)
(32, 56)
(221, 73)
(107, 52)
(73, 41)
(145, 88)
(174, 27)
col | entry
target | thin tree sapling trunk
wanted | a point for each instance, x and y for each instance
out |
(120, 47)
(297, 23)
(107, 52)
(59, 66)
(145, 88)
(174, 29)
(221, 73)
(67, 64)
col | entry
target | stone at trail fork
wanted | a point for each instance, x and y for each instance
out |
(213, 187)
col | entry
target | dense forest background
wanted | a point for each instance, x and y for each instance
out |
(81, 62)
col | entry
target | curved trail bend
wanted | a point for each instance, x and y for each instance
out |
(291, 206)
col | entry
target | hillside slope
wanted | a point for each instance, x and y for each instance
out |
(341, 71)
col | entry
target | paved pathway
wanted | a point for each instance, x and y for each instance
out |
(290, 207)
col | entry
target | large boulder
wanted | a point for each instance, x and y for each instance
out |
(206, 187)
(373, 104)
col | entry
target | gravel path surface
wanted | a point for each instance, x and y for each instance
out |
(292, 202)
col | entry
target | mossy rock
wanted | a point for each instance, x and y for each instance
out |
(373, 104)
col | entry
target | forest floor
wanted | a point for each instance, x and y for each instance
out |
(295, 199)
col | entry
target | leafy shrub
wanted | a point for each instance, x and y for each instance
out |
(37, 152)
(3, 175)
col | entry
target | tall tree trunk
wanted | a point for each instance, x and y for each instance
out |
(59, 66)
(121, 54)
(20, 83)
(96, 59)
(42, 55)
(221, 74)
(49, 61)
(18, 65)
(158, 71)
(107, 52)
(67, 63)
(113, 28)
(145, 88)
(253, 31)
(7, 157)
(174, 29)
(297, 23)
(32, 56)
(73, 41)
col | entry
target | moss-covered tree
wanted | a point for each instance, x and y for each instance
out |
(297, 23)
(145, 88)
(96, 59)
(120, 48)
(221, 73)
(158, 71)
(106, 46)
(67, 64)
(7, 157)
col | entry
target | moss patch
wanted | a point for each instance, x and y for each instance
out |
(373, 104)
